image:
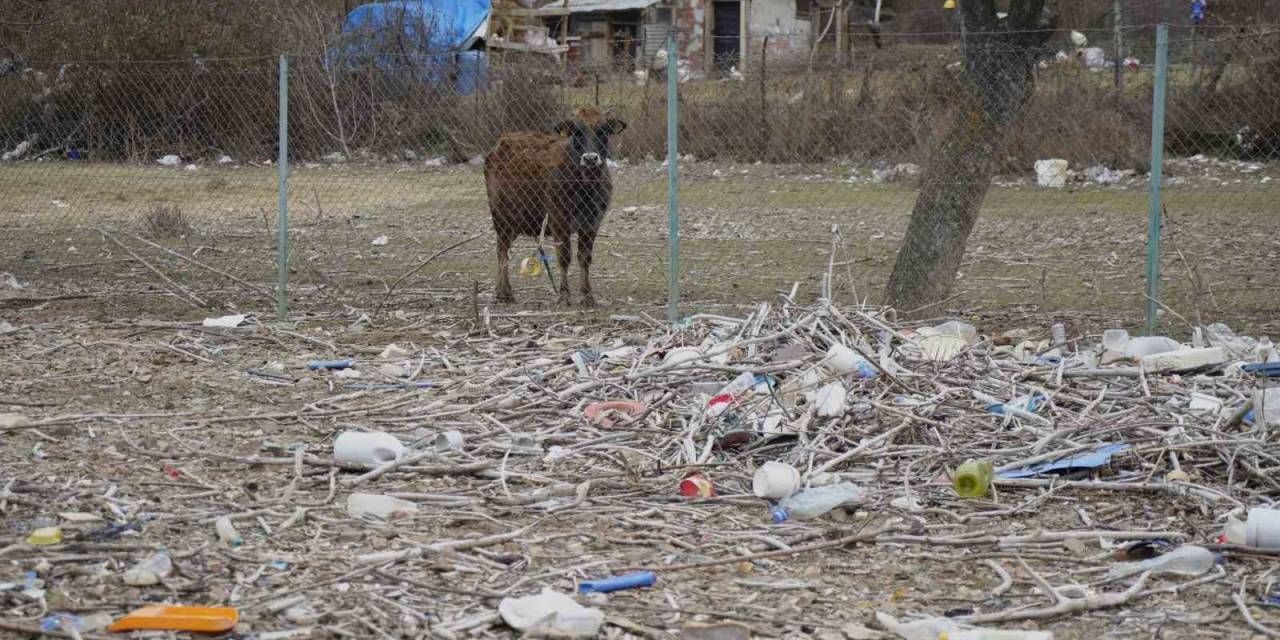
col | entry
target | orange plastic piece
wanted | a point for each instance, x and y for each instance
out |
(178, 618)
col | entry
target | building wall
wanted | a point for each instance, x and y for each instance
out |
(775, 18)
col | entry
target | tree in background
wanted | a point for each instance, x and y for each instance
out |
(1000, 57)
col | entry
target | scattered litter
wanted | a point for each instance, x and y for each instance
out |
(607, 414)
(811, 503)
(45, 536)
(550, 614)
(378, 506)
(1071, 464)
(775, 480)
(716, 631)
(394, 351)
(1051, 173)
(318, 365)
(227, 533)
(225, 322)
(380, 241)
(973, 479)
(697, 485)
(368, 448)
(449, 441)
(149, 572)
(169, 160)
(1188, 560)
(618, 583)
(178, 618)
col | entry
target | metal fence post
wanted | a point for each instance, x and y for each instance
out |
(1157, 174)
(673, 201)
(282, 212)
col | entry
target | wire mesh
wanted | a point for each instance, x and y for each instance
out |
(797, 159)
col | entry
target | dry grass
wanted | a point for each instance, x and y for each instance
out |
(166, 223)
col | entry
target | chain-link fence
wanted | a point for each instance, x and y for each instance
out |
(158, 181)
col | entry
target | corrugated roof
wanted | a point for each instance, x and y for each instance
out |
(594, 6)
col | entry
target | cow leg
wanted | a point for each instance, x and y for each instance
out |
(503, 292)
(586, 243)
(564, 256)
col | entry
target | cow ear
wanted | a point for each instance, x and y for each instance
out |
(564, 126)
(616, 126)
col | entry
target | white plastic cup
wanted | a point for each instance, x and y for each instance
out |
(775, 480)
(1263, 528)
(842, 359)
(361, 447)
(449, 441)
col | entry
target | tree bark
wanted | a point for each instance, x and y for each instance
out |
(999, 77)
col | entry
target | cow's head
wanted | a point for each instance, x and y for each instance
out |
(589, 130)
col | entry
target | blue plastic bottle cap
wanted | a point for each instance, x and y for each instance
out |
(779, 515)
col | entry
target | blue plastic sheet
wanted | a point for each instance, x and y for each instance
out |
(1079, 462)
(438, 39)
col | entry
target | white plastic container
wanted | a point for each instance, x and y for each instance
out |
(449, 441)
(775, 480)
(1263, 528)
(829, 401)
(1143, 346)
(1051, 173)
(1184, 359)
(360, 447)
(1116, 340)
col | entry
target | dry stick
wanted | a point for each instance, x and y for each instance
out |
(193, 301)
(1064, 605)
(1248, 617)
(193, 261)
(391, 289)
(839, 542)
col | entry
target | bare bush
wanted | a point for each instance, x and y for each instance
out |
(166, 223)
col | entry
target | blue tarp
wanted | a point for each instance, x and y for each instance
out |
(439, 38)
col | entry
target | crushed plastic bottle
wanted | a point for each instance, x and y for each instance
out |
(1187, 560)
(811, 503)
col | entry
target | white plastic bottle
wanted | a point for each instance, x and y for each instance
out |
(1187, 560)
(812, 503)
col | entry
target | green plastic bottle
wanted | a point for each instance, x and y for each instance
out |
(973, 479)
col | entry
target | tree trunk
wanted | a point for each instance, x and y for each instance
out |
(999, 65)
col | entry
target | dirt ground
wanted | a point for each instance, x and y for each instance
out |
(145, 427)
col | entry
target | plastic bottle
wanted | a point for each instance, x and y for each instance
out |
(227, 532)
(1266, 405)
(973, 479)
(740, 385)
(1059, 333)
(812, 503)
(1188, 560)
(151, 571)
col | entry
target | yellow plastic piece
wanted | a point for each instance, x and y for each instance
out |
(178, 618)
(973, 479)
(45, 536)
(949, 5)
(531, 267)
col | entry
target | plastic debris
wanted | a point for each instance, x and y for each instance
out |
(811, 503)
(151, 571)
(1051, 173)
(1078, 462)
(618, 583)
(378, 506)
(318, 365)
(550, 614)
(45, 536)
(178, 618)
(225, 322)
(1188, 560)
(360, 447)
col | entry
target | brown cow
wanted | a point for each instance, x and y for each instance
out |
(560, 178)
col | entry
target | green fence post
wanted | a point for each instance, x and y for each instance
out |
(1157, 174)
(673, 200)
(672, 177)
(282, 212)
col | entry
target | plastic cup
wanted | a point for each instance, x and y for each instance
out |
(697, 485)
(360, 447)
(449, 441)
(1263, 528)
(775, 480)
